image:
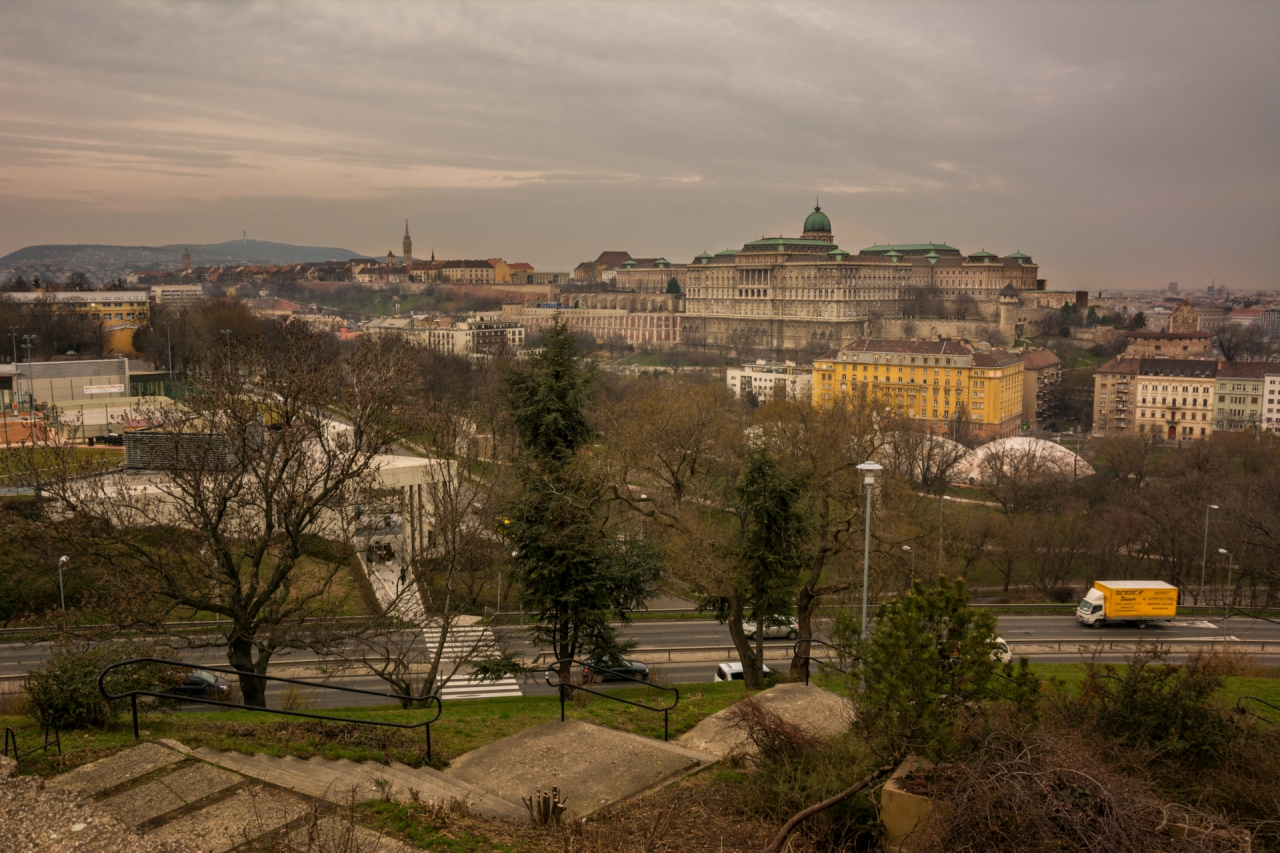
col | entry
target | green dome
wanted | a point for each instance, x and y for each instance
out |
(817, 221)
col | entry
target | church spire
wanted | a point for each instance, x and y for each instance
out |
(407, 245)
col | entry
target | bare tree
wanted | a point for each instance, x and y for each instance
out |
(1238, 342)
(249, 510)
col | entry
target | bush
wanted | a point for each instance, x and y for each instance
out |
(1151, 702)
(64, 688)
(778, 789)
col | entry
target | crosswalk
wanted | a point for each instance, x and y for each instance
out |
(465, 688)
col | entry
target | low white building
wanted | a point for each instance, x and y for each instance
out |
(768, 380)
(172, 293)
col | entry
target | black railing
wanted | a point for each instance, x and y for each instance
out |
(1242, 709)
(10, 736)
(795, 651)
(565, 688)
(134, 694)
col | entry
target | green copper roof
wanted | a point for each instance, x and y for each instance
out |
(727, 253)
(838, 253)
(786, 241)
(1019, 255)
(817, 221)
(932, 257)
(703, 258)
(983, 254)
(909, 247)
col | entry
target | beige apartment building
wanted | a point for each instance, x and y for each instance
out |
(1169, 345)
(1041, 376)
(1240, 386)
(1170, 397)
(649, 275)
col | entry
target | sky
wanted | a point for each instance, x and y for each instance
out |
(1121, 145)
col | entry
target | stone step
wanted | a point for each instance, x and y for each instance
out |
(334, 781)
(593, 766)
(334, 835)
(115, 770)
(170, 792)
(239, 819)
(478, 800)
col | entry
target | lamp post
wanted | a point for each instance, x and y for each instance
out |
(1204, 558)
(62, 596)
(941, 498)
(31, 379)
(868, 470)
(1230, 562)
(913, 561)
(169, 339)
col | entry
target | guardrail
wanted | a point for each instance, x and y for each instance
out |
(564, 688)
(11, 736)
(133, 695)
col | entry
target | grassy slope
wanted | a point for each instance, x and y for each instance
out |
(465, 725)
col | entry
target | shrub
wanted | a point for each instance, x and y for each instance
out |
(65, 687)
(1154, 703)
(775, 739)
(930, 656)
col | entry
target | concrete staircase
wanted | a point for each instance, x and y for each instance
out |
(203, 799)
(341, 781)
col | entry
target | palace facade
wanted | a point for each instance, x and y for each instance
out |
(806, 292)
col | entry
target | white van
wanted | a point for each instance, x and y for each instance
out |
(733, 672)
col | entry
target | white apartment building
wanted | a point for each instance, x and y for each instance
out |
(173, 293)
(767, 380)
(1271, 391)
(479, 334)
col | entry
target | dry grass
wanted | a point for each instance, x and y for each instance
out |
(13, 699)
(293, 698)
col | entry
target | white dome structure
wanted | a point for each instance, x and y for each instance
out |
(1021, 456)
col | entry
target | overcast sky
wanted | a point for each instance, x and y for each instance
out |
(1119, 144)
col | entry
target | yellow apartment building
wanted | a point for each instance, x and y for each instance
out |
(941, 383)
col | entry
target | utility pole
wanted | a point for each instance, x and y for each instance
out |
(62, 595)
(1227, 598)
(31, 379)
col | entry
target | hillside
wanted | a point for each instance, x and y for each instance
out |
(102, 263)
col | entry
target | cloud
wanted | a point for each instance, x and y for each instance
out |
(1092, 134)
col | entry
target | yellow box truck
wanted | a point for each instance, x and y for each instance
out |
(1128, 601)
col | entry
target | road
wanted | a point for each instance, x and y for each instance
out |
(16, 658)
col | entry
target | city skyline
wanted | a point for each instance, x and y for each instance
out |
(1121, 146)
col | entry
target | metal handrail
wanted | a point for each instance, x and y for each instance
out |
(795, 651)
(564, 687)
(11, 736)
(1242, 709)
(134, 694)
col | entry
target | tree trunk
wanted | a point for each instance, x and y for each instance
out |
(806, 602)
(750, 675)
(240, 655)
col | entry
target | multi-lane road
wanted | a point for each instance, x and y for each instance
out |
(1035, 636)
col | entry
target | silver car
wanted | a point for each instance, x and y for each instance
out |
(787, 629)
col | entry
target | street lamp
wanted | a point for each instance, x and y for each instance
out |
(1204, 558)
(1230, 561)
(868, 470)
(941, 498)
(62, 596)
(913, 561)
(169, 338)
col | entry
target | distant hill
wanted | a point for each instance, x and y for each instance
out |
(105, 263)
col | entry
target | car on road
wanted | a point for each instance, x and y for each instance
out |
(615, 669)
(733, 672)
(202, 684)
(786, 628)
(1002, 652)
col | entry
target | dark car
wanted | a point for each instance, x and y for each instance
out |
(200, 684)
(615, 669)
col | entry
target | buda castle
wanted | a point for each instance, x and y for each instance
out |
(795, 293)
